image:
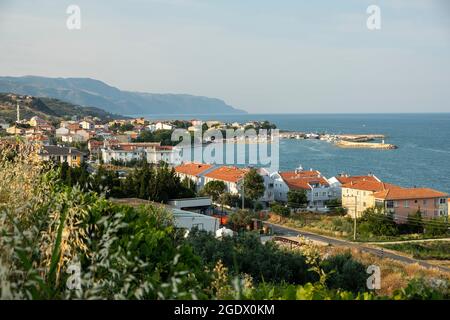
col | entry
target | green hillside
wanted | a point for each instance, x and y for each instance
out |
(46, 108)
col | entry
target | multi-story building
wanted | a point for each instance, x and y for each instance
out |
(167, 154)
(358, 194)
(193, 171)
(402, 202)
(231, 176)
(87, 125)
(58, 154)
(153, 152)
(317, 188)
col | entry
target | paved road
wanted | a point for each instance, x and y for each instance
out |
(344, 243)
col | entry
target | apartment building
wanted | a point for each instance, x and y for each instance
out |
(231, 176)
(318, 189)
(402, 202)
(358, 194)
(58, 154)
(193, 171)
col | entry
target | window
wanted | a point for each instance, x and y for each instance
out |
(442, 201)
(424, 202)
(406, 204)
(390, 204)
(74, 157)
(396, 204)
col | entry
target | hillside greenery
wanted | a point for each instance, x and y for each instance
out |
(48, 108)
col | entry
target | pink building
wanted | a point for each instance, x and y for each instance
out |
(404, 201)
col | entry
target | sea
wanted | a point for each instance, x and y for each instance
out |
(422, 158)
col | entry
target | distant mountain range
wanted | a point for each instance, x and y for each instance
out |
(95, 93)
(46, 108)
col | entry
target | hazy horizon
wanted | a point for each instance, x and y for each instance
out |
(265, 57)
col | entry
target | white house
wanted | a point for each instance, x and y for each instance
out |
(194, 171)
(151, 151)
(317, 187)
(167, 154)
(231, 176)
(269, 190)
(151, 127)
(87, 125)
(122, 155)
(164, 126)
(72, 138)
(62, 131)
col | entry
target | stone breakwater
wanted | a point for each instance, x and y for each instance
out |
(365, 145)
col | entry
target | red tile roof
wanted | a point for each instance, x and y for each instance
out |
(303, 179)
(192, 168)
(162, 148)
(229, 174)
(369, 185)
(348, 179)
(408, 193)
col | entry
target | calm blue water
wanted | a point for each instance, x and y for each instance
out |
(423, 157)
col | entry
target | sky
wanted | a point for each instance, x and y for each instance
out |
(258, 55)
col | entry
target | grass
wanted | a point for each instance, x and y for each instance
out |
(338, 227)
(433, 250)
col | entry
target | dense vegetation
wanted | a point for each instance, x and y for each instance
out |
(47, 108)
(157, 183)
(433, 250)
(70, 242)
(374, 225)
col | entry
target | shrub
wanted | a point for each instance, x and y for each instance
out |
(280, 209)
(246, 254)
(377, 223)
(345, 273)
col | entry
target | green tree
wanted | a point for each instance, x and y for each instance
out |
(345, 273)
(229, 199)
(436, 227)
(253, 185)
(214, 189)
(280, 209)
(375, 222)
(241, 219)
(415, 223)
(297, 198)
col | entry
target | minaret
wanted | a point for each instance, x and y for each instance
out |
(18, 112)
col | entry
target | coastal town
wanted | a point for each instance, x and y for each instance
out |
(134, 164)
(121, 144)
(224, 159)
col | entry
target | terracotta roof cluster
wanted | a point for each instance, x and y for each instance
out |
(193, 169)
(347, 179)
(303, 179)
(229, 174)
(408, 193)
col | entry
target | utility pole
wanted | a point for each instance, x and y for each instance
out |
(243, 196)
(354, 220)
(18, 112)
